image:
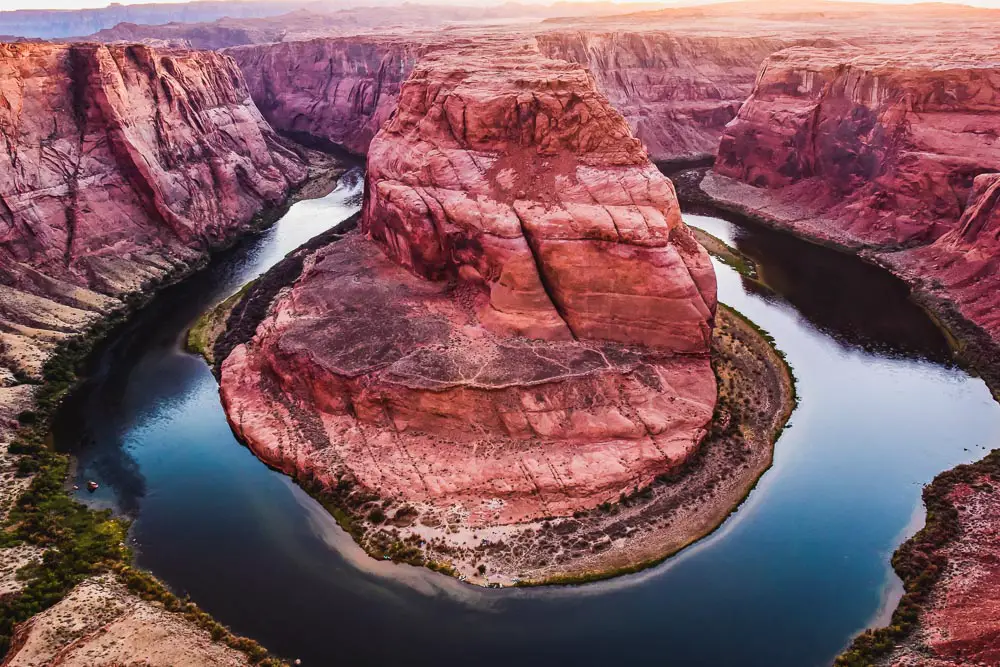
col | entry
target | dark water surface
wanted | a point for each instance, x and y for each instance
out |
(787, 581)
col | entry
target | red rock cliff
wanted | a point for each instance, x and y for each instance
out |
(883, 146)
(333, 90)
(963, 266)
(121, 165)
(523, 329)
(677, 92)
(895, 150)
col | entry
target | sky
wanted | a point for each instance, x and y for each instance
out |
(80, 4)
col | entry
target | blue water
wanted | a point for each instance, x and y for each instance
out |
(788, 580)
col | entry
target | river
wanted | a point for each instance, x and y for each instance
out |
(787, 581)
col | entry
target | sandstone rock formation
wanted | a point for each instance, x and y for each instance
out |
(521, 331)
(893, 151)
(337, 91)
(123, 165)
(963, 266)
(881, 146)
(676, 91)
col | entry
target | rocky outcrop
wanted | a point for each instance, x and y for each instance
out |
(677, 92)
(102, 623)
(520, 183)
(868, 148)
(893, 151)
(123, 166)
(962, 268)
(522, 329)
(329, 91)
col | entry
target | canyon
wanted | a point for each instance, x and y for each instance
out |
(894, 153)
(452, 368)
(125, 166)
(520, 285)
(676, 91)
(891, 152)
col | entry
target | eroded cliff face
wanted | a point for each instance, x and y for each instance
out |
(879, 147)
(336, 91)
(963, 266)
(122, 165)
(893, 151)
(522, 328)
(677, 92)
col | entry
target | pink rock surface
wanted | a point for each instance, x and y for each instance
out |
(882, 144)
(964, 264)
(895, 150)
(332, 90)
(518, 176)
(522, 330)
(369, 372)
(122, 164)
(676, 91)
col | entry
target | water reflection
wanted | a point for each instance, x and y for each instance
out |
(854, 302)
(150, 347)
(786, 582)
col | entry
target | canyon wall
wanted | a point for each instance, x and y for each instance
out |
(676, 92)
(520, 330)
(330, 91)
(883, 146)
(122, 166)
(963, 266)
(894, 150)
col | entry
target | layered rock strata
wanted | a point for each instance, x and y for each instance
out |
(677, 92)
(894, 152)
(963, 266)
(123, 165)
(867, 147)
(331, 91)
(520, 331)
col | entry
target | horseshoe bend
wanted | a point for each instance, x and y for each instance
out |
(518, 332)
(436, 260)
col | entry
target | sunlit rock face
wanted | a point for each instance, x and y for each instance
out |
(333, 91)
(676, 91)
(122, 165)
(521, 327)
(884, 143)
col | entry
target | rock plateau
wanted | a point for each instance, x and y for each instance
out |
(881, 147)
(521, 329)
(123, 165)
(677, 92)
